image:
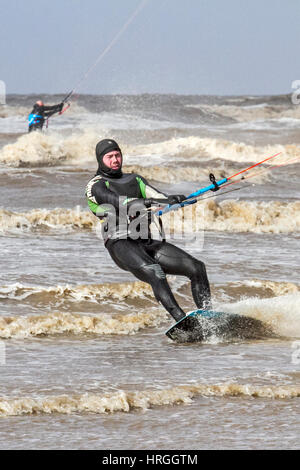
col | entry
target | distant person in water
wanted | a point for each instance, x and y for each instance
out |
(36, 118)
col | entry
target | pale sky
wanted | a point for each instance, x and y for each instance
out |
(213, 47)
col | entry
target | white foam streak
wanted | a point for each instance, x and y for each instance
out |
(40, 149)
(282, 313)
(227, 215)
(126, 401)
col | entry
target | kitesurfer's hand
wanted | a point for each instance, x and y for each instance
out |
(136, 208)
(176, 199)
(149, 201)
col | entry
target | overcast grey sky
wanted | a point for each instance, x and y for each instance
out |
(218, 47)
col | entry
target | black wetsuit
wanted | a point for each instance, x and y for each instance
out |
(147, 259)
(38, 114)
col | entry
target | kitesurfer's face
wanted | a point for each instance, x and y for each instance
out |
(113, 160)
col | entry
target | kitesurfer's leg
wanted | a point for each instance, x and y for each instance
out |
(174, 260)
(131, 256)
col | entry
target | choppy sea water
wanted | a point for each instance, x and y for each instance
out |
(84, 360)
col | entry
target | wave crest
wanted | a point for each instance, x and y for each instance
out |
(45, 219)
(280, 314)
(75, 324)
(237, 216)
(91, 292)
(215, 148)
(39, 149)
(123, 401)
(227, 215)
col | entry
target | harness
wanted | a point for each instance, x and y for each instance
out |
(34, 119)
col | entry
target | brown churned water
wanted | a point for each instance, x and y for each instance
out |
(84, 361)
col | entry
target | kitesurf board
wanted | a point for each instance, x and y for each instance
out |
(202, 325)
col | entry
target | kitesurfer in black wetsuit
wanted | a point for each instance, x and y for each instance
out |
(38, 114)
(111, 192)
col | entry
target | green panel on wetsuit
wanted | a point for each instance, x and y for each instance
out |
(93, 206)
(96, 208)
(142, 187)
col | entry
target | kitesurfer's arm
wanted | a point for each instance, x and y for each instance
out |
(50, 110)
(103, 195)
(150, 193)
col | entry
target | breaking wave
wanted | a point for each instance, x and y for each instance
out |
(133, 290)
(90, 292)
(227, 215)
(173, 174)
(62, 219)
(275, 287)
(38, 149)
(75, 324)
(254, 287)
(191, 147)
(127, 401)
(238, 216)
(177, 174)
(281, 314)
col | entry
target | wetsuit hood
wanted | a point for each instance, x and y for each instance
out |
(103, 147)
(37, 108)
